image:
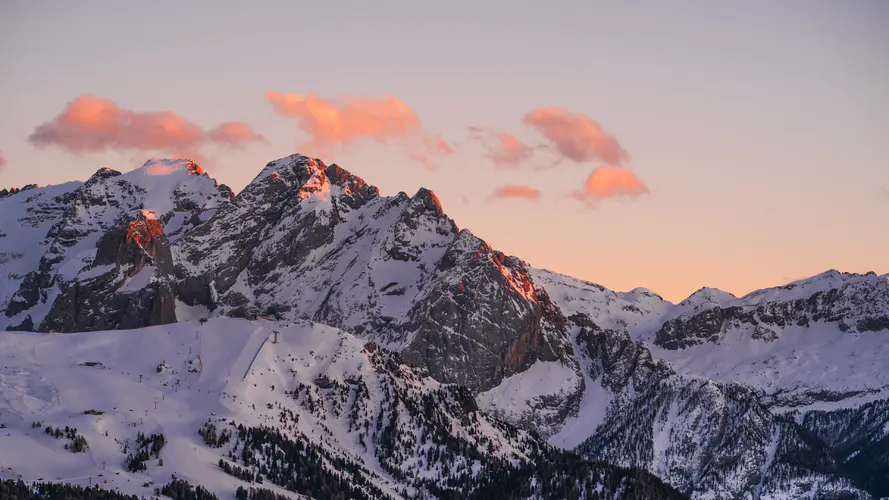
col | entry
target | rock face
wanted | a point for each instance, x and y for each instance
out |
(309, 241)
(481, 319)
(128, 284)
(708, 440)
(721, 396)
(855, 303)
(96, 255)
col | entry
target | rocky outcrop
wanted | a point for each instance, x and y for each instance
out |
(128, 285)
(481, 318)
(854, 303)
(706, 326)
(708, 440)
(98, 236)
(617, 360)
(14, 190)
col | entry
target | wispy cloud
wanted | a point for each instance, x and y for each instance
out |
(610, 182)
(2, 161)
(336, 123)
(505, 151)
(516, 191)
(234, 134)
(576, 136)
(91, 124)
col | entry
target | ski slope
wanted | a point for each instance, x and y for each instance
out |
(46, 378)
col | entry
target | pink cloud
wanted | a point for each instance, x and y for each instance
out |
(516, 191)
(233, 133)
(2, 161)
(609, 182)
(91, 124)
(425, 151)
(576, 136)
(340, 122)
(504, 150)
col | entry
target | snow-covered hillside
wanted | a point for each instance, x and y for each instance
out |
(773, 366)
(380, 426)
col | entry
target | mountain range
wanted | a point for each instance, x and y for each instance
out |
(407, 356)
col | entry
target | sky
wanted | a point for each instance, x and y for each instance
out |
(666, 145)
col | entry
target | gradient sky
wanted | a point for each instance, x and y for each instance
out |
(756, 132)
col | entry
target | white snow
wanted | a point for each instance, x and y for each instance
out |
(801, 359)
(43, 377)
(185, 312)
(522, 397)
(139, 281)
(592, 412)
(94, 272)
(541, 378)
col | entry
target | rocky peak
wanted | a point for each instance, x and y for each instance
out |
(277, 179)
(351, 183)
(828, 280)
(707, 297)
(428, 199)
(194, 168)
(11, 191)
(105, 173)
(852, 302)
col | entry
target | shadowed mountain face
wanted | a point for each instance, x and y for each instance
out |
(313, 242)
(713, 394)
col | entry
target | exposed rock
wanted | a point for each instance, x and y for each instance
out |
(855, 303)
(481, 319)
(708, 440)
(136, 250)
(71, 286)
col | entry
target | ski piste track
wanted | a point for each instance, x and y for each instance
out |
(247, 371)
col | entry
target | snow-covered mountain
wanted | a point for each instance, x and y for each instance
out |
(307, 241)
(781, 393)
(86, 256)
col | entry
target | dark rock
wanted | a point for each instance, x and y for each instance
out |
(873, 324)
(27, 325)
(99, 303)
(481, 319)
(324, 383)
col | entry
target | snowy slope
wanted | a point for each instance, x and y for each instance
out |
(317, 384)
(26, 219)
(639, 311)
